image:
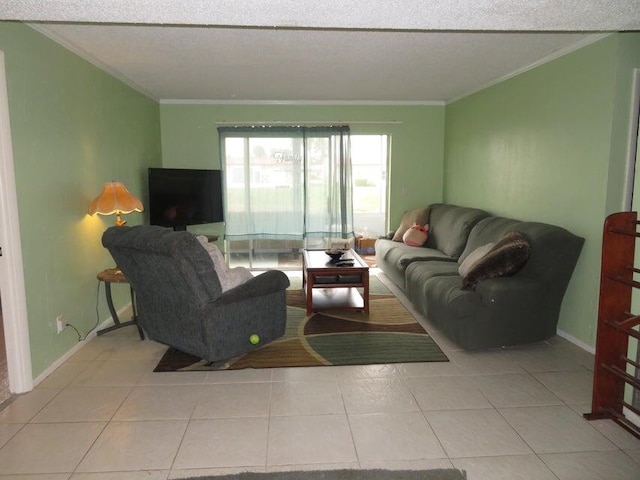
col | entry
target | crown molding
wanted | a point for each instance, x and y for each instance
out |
(170, 101)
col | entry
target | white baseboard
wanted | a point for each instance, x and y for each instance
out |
(575, 341)
(52, 368)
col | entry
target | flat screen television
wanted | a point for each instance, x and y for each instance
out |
(179, 197)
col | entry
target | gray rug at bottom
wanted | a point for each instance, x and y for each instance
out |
(442, 474)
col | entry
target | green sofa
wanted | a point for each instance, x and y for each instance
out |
(500, 311)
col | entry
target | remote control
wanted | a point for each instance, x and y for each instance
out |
(345, 263)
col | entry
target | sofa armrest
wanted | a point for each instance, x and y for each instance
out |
(266, 283)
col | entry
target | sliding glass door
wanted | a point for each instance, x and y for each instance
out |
(288, 189)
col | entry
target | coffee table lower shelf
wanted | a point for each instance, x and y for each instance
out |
(348, 298)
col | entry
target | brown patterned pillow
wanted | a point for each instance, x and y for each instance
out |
(507, 256)
(419, 216)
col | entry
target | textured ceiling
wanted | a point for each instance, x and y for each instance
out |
(319, 50)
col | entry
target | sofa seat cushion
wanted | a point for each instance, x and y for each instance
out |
(400, 255)
(418, 273)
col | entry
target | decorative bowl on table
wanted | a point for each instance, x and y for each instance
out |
(335, 254)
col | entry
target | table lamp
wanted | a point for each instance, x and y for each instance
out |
(115, 198)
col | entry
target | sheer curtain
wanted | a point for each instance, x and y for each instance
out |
(288, 183)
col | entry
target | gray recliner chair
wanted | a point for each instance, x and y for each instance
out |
(180, 301)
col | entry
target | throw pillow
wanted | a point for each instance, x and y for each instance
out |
(506, 257)
(229, 278)
(473, 258)
(418, 216)
(416, 235)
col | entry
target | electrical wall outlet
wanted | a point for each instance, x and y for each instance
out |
(61, 323)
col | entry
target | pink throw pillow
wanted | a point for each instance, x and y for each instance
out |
(416, 236)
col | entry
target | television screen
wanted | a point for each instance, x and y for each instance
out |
(180, 197)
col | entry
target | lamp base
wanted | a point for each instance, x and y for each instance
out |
(119, 221)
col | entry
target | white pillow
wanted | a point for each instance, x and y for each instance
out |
(473, 258)
(229, 278)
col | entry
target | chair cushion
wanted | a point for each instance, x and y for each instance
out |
(229, 278)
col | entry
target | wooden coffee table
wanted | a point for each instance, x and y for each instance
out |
(330, 287)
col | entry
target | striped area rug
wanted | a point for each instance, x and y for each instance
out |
(388, 334)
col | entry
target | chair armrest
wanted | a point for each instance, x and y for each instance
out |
(266, 283)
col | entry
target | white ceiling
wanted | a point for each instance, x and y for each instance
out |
(320, 50)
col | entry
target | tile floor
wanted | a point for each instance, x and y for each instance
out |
(505, 414)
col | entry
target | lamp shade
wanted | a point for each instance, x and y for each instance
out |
(115, 198)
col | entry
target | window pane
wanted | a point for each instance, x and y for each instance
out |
(369, 160)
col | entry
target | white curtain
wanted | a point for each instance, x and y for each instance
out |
(287, 183)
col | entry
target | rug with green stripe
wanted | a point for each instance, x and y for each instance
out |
(388, 334)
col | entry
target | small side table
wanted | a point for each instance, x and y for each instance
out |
(115, 275)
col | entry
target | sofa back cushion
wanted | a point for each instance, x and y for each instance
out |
(487, 230)
(449, 227)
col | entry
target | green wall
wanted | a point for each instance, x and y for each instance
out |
(548, 145)
(190, 139)
(73, 128)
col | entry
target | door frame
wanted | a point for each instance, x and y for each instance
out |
(14, 302)
(634, 138)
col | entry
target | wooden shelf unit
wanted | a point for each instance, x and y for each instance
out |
(616, 322)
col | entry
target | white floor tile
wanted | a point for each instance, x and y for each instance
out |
(202, 472)
(422, 464)
(593, 466)
(618, 435)
(475, 433)
(8, 430)
(429, 369)
(234, 400)
(24, 407)
(173, 378)
(144, 475)
(634, 453)
(113, 373)
(541, 358)
(513, 467)
(378, 395)
(514, 390)
(126, 446)
(249, 375)
(484, 363)
(361, 372)
(85, 404)
(394, 436)
(555, 429)
(571, 387)
(48, 448)
(447, 393)
(169, 402)
(64, 375)
(236, 442)
(305, 374)
(313, 439)
(306, 398)
(42, 476)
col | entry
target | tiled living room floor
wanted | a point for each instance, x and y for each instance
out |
(504, 414)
